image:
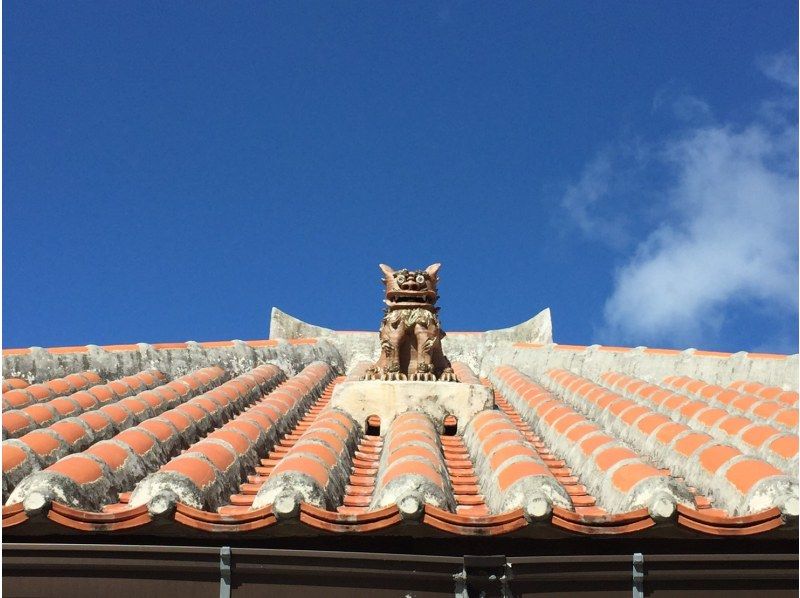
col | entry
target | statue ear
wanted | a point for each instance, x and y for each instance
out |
(388, 272)
(433, 270)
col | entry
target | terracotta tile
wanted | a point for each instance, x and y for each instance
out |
(64, 406)
(410, 467)
(592, 443)
(711, 416)
(744, 403)
(102, 393)
(41, 443)
(160, 429)
(16, 399)
(719, 354)
(605, 459)
(138, 440)
(116, 413)
(788, 397)
(62, 350)
(716, 456)
(110, 453)
(309, 467)
(13, 456)
(79, 468)
(170, 345)
(670, 352)
(579, 432)
(221, 457)
(786, 446)
(85, 399)
(120, 388)
(10, 352)
(16, 423)
(262, 343)
(767, 356)
(96, 420)
(745, 474)
(40, 392)
(788, 418)
(690, 409)
(42, 414)
(733, 425)
(517, 470)
(194, 468)
(627, 476)
(758, 435)
(114, 348)
(70, 431)
(690, 443)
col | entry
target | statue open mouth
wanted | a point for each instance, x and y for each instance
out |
(410, 298)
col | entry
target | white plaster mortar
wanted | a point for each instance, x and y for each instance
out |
(387, 400)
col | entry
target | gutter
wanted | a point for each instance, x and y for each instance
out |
(123, 570)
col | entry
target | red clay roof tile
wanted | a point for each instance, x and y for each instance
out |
(586, 453)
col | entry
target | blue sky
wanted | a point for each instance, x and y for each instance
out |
(173, 170)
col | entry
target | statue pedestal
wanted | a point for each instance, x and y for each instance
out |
(387, 400)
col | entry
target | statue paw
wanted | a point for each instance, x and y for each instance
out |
(393, 376)
(448, 375)
(372, 374)
(423, 377)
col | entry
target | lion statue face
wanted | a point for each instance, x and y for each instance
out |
(411, 289)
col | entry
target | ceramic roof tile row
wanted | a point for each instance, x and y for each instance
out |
(136, 347)
(412, 471)
(43, 447)
(315, 469)
(464, 373)
(772, 393)
(510, 472)
(582, 501)
(360, 486)
(42, 413)
(738, 483)
(210, 470)
(616, 475)
(14, 383)
(289, 435)
(464, 482)
(779, 413)
(750, 436)
(20, 394)
(94, 477)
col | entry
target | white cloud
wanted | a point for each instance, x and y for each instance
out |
(734, 240)
(592, 187)
(781, 68)
(609, 175)
(727, 238)
(682, 104)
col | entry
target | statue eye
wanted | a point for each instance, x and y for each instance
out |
(420, 278)
(401, 278)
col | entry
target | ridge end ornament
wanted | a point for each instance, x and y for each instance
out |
(410, 333)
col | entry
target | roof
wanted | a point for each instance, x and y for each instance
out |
(236, 438)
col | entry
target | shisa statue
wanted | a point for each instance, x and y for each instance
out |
(410, 334)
